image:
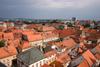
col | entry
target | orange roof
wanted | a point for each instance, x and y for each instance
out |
(36, 26)
(8, 36)
(10, 27)
(8, 23)
(66, 43)
(27, 33)
(46, 36)
(55, 52)
(98, 48)
(91, 59)
(44, 28)
(67, 32)
(84, 64)
(57, 24)
(7, 51)
(45, 65)
(25, 46)
(69, 43)
(48, 24)
(15, 42)
(78, 25)
(56, 32)
(64, 59)
(80, 50)
(69, 27)
(82, 44)
(17, 31)
(50, 53)
(97, 55)
(90, 30)
(29, 30)
(32, 37)
(57, 64)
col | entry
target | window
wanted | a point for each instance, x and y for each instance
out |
(7, 64)
(7, 59)
(47, 62)
(50, 61)
(55, 58)
(13, 56)
(32, 65)
(44, 62)
(37, 65)
(40, 63)
(3, 61)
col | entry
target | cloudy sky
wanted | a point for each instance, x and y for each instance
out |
(50, 9)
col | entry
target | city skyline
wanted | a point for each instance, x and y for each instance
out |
(50, 9)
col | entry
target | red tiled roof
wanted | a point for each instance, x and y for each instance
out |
(91, 59)
(34, 37)
(46, 36)
(7, 51)
(15, 42)
(97, 55)
(44, 28)
(50, 53)
(78, 25)
(90, 30)
(8, 23)
(64, 59)
(67, 32)
(8, 36)
(25, 46)
(66, 43)
(98, 48)
(80, 50)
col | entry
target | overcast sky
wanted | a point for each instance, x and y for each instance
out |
(50, 9)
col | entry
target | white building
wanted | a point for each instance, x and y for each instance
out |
(74, 19)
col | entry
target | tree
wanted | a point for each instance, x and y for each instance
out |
(69, 25)
(54, 21)
(2, 44)
(87, 25)
(95, 27)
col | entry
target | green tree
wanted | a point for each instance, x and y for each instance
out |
(2, 44)
(95, 27)
(87, 25)
(69, 25)
(54, 21)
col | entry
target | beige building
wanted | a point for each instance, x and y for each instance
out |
(8, 55)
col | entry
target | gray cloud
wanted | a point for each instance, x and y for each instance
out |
(50, 9)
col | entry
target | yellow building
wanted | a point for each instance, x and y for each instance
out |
(8, 55)
(51, 56)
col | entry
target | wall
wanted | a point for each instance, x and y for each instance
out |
(51, 59)
(8, 62)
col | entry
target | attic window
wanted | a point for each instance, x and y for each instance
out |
(62, 45)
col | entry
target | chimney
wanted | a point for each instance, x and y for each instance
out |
(40, 47)
(78, 50)
(53, 65)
